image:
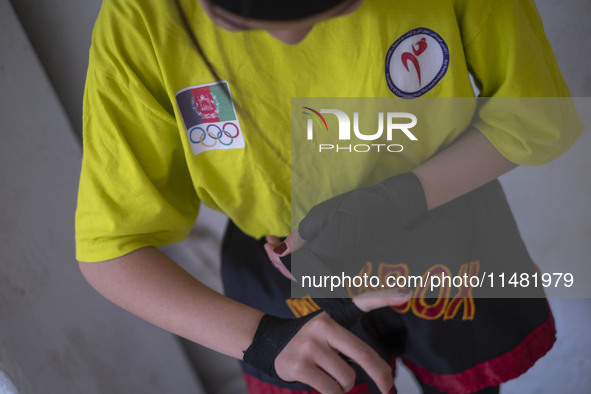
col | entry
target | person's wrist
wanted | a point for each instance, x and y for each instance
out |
(270, 338)
(406, 192)
(342, 310)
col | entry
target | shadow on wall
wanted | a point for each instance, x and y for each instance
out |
(57, 335)
(60, 34)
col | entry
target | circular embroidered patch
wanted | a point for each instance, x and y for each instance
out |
(416, 62)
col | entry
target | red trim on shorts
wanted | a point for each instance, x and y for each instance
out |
(256, 386)
(496, 371)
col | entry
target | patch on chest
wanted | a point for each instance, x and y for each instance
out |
(416, 62)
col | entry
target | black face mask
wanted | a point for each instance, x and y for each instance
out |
(276, 10)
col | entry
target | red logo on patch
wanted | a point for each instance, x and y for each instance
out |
(417, 48)
(416, 62)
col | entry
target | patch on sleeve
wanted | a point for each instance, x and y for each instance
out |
(209, 117)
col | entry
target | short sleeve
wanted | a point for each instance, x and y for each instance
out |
(529, 116)
(135, 187)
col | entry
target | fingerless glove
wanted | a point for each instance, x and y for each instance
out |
(340, 225)
(271, 336)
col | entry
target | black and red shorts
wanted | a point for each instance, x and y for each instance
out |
(453, 344)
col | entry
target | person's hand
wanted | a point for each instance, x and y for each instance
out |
(365, 302)
(313, 357)
(276, 249)
(310, 349)
(343, 227)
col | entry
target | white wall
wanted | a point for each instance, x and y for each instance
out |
(60, 31)
(57, 335)
(568, 28)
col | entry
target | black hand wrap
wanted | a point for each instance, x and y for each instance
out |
(271, 336)
(274, 333)
(346, 223)
(339, 230)
(343, 310)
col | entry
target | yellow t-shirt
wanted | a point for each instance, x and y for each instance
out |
(163, 133)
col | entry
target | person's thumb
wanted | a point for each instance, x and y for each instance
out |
(371, 300)
(347, 311)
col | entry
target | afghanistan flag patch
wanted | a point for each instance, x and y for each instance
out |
(209, 117)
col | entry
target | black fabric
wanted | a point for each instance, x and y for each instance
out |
(342, 310)
(249, 277)
(476, 227)
(432, 390)
(274, 10)
(271, 336)
(448, 347)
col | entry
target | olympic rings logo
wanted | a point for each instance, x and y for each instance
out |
(216, 136)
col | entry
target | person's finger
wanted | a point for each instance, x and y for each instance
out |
(371, 300)
(334, 365)
(295, 241)
(272, 239)
(321, 381)
(276, 261)
(305, 369)
(291, 243)
(362, 354)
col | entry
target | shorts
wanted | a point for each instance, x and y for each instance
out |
(455, 345)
